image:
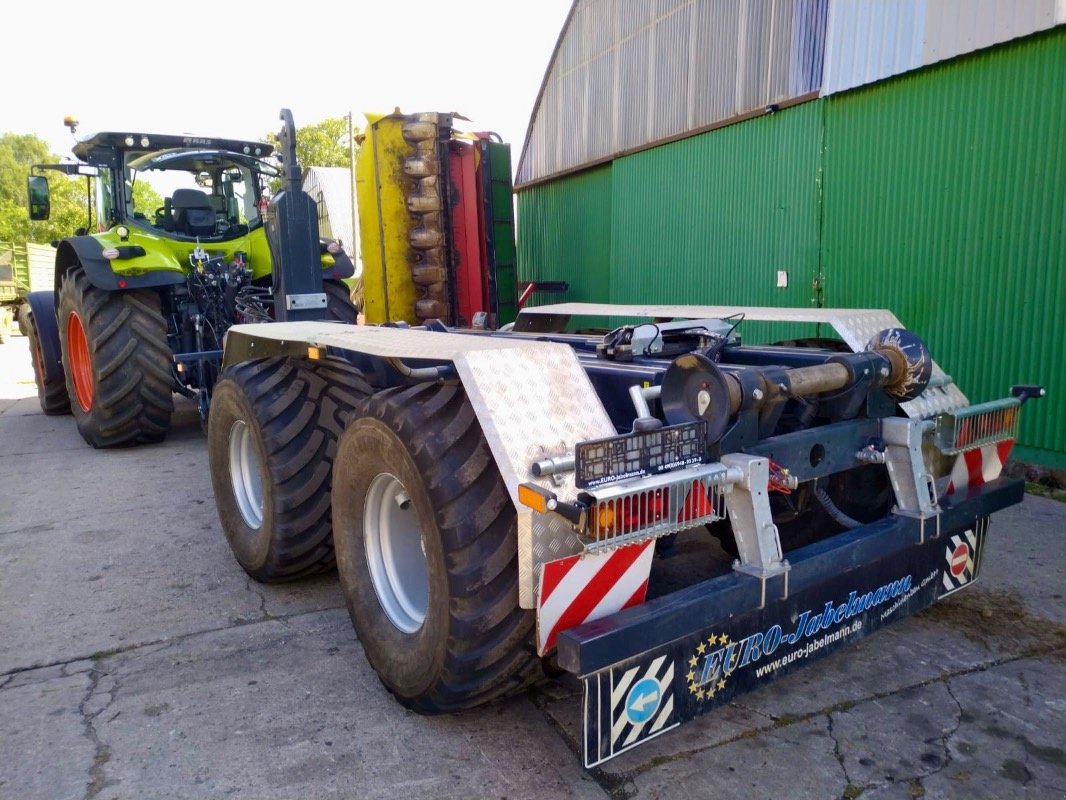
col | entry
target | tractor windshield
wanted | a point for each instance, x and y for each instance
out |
(206, 193)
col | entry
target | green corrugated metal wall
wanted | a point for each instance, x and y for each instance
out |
(945, 201)
(938, 194)
(564, 234)
(712, 218)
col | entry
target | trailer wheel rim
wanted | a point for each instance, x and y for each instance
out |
(395, 553)
(245, 474)
(81, 365)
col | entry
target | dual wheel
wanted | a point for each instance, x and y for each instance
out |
(397, 488)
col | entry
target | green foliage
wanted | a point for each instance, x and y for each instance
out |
(68, 195)
(19, 152)
(323, 144)
(146, 199)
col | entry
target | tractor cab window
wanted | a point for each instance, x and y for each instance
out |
(205, 193)
(105, 202)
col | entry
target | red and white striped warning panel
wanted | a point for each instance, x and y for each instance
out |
(975, 467)
(582, 588)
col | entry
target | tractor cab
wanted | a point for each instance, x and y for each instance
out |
(209, 193)
(212, 189)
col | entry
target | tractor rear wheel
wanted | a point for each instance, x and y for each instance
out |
(51, 383)
(427, 552)
(117, 362)
(339, 306)
(272, 436)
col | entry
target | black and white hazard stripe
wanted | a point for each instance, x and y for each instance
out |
(951, 581)
(625, 730)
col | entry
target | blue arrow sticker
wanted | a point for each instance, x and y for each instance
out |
(643, 701)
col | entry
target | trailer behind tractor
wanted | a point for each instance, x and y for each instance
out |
(495, 498)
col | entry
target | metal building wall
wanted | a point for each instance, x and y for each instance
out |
(713, 218)
(945, 201)
(628, 73)
(564, 234)
(871, 39)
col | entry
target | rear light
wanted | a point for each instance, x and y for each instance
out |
(628, 514)
(978, 426)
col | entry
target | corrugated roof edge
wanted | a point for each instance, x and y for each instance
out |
(544, 85)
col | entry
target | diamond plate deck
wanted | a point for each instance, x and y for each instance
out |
(856, 326)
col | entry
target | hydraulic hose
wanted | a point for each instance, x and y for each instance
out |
(831, 509)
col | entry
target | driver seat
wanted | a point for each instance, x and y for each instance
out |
(193, 213)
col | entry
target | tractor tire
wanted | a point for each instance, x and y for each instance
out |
(272, 436)
(51, 383)
(117, 362)
(23, 318)
(427, 552)
(339, 306)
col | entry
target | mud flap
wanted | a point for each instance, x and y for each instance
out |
(843, 589)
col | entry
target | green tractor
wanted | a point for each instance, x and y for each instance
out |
(144, 297)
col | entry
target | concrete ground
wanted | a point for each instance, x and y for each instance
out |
(138, 661)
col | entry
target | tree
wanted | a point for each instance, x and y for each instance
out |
(323, 144)
(146, 199)
(68, 195)
(18, 153)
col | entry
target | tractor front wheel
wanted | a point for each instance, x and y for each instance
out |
(117, 362)
(427, 552)
(272, 435)
(339, 306)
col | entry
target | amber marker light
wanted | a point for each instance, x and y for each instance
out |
(533, 496)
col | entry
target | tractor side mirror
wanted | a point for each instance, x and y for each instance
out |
(37, 188)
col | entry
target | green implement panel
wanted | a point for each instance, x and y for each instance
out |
(945, 201)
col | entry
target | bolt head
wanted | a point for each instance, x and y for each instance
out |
(757, 394)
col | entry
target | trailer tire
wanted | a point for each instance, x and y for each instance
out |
(272, 436)
(445, 631)
(117, 362)
(339, 306)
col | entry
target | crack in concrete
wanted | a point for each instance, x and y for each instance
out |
(1028, 700)
(166, 641)
(839, 755)
(250, 585)
(101, 752)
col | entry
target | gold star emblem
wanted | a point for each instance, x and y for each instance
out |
(724, 638)
(700, 694)
(691, 677)
(710, 692)
(701, 649)
(710, 641)
(721, 683)
(693, 661)
(692, 687)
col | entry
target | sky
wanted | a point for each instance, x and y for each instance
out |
(226, 68)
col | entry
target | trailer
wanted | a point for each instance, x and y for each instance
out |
(496, 499)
